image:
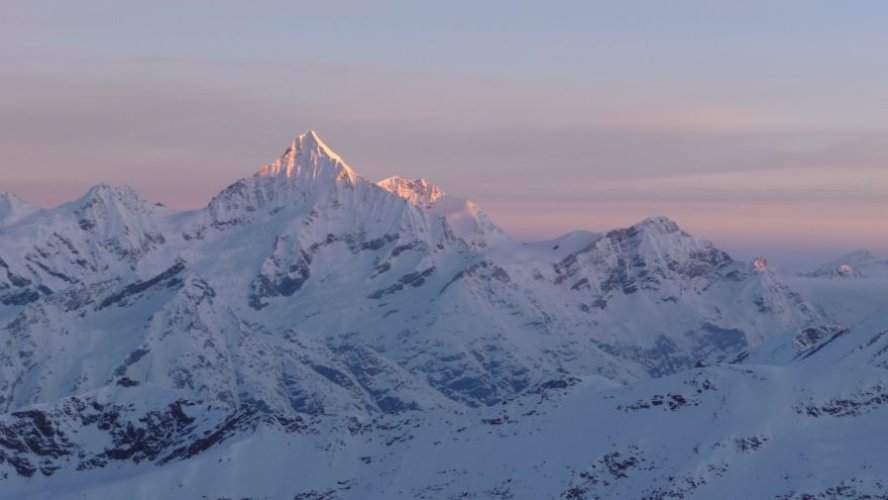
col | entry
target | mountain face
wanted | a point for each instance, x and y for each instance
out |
(466, 219)
(309, 314)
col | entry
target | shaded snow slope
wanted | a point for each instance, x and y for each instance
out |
(369, 333)
(731, 432)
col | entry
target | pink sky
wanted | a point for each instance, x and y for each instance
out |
(766, 134)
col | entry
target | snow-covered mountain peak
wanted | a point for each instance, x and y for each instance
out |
(659, 224)
(660, 235)
(856, 264)
(308, 172)
(104, 201)
(847, 270)
(467, 220)
(311, 318)
(308, 157)
(310, 141)
(8, 200)
(417, 191)
(760, 264)
(659, 243)
(12, 208)
(108, 192)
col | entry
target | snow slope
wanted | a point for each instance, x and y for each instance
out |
(374, 337)
(465, 218)
(804, 430)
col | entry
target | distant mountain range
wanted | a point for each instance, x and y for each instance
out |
(857, 264)
(311, 334)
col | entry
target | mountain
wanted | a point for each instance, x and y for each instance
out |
(465, 218)
(363, 333)
(12, 209)
(847, 289)
(857, 264)
(728, 431)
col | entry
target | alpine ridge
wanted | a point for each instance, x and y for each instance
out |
(312, 334)
(465, 218)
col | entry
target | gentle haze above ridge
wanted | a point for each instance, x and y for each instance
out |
(760, 126)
